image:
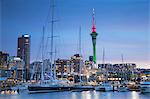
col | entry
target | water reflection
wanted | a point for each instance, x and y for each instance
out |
(134, 95)
(73, 95)
(80, 95)
(105, 95)
(109, 96)
(95, 95)
(86, 95)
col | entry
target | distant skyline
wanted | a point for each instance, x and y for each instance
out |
(122, 27)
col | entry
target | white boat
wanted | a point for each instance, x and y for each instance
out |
(104, 87)
(145, 86)
(82, 88)
(122, 88)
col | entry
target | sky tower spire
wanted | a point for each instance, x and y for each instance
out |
(94, 35)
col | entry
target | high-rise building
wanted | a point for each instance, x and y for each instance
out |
(94, 34)
(3, 59)
(63, 67)
(23, 51)
(77, 60)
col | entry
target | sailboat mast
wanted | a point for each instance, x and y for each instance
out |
(122, 58)
(80, 51)
(55, 65)
(103, 62)
(52, 38)
(52, 30)
(123, 75)
(103, 56)
(42, 73)
(80, 40)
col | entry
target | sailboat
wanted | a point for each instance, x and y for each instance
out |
(104, 87)
(43, 85)
(52, 84)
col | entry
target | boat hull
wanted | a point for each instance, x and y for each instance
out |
(103, 89)
(122, 89)
(44, 89)
(82, 88)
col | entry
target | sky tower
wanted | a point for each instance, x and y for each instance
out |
(94, 34)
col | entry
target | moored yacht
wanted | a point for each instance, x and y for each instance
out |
(81, 87)
(122, 88)
(104, 87)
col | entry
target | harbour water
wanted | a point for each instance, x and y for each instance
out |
(79, 95)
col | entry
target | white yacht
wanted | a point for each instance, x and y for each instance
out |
(145, 86)
(81, 87)
(122, 88)
(104, 87)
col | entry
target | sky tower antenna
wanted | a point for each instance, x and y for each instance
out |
(93, 21)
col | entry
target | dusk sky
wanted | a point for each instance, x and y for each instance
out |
(122, 27)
